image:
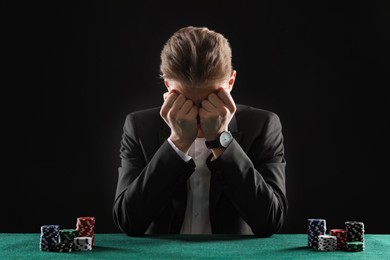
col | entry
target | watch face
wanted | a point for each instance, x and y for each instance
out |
(225, 139)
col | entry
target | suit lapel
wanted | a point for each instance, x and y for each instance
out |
(179, 195)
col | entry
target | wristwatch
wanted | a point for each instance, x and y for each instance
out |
(223, 141)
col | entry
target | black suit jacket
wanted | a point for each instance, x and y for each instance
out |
(247, 185)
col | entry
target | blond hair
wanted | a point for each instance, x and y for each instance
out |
(196, 55)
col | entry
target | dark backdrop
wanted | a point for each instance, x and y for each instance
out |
(76, 70)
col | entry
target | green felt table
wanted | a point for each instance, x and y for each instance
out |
(120, 246)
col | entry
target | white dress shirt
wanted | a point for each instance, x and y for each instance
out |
(197, 217)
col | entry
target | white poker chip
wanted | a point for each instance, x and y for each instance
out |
(327, 243)
(82, 243)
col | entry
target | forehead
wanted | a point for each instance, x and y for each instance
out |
(200, 92)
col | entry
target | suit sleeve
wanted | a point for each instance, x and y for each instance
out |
(255, 181)
(144, 189)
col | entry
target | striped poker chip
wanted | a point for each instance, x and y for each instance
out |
(315, 228)
(342, 237)
(355, 246)
(355, 231)
(327, 243)
(82, 243)
(67, 235)
(49, 237)
(64, 247)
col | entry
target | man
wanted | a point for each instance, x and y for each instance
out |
(200, 164)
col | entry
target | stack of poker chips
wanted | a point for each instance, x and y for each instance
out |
(342, 238)
(327, 243)
(351, 238)
(68, 240)
(49, 237)
(85, 227)
(315, 228)
(355, 233)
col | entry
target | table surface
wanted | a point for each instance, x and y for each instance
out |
(120, 246)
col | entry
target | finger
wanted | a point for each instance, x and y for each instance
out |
(171, 97)
(178, 103)
(166, 94)
(207, 106)
(193, 113)
(215, 100)
(227, 99)
(201, 112)
(186, 106)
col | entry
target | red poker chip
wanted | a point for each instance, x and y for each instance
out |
(85, 226)
(342, 237)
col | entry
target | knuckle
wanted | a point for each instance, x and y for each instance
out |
(163, 112)
(212, 96)
(201, 113)
(224, 111)
(172, 114)
(234, 108)
(181, 97)
(188, 102)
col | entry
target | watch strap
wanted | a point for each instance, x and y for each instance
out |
(213, 144)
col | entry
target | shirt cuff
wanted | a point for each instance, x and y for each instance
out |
(184, 156)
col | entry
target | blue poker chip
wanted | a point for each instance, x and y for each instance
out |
(315, 228)
(49, 238)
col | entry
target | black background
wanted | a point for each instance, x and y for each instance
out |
(75, 70)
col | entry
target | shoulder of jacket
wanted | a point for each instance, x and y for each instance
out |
(144, 114)
(244, 111)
